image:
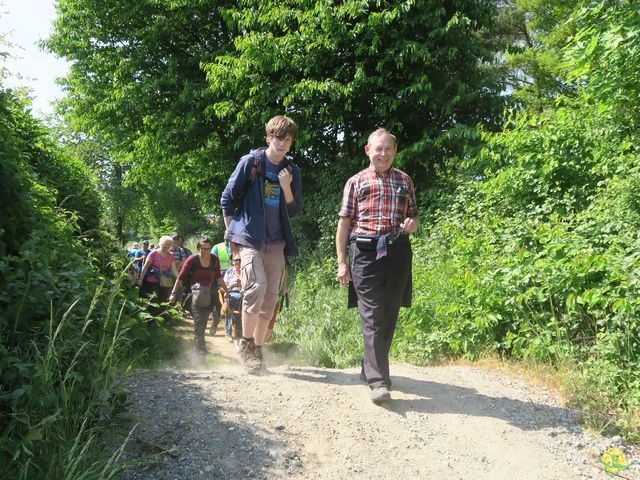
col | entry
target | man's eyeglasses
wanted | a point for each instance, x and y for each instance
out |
(236, 260)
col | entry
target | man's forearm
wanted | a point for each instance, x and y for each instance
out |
(342, 237)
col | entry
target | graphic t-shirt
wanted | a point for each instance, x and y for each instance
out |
(272, 203)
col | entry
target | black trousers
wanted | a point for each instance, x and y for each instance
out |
(381, 287)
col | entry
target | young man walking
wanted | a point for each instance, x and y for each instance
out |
(378, 212)
(262, 195)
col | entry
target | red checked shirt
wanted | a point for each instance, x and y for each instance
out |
(378, 202)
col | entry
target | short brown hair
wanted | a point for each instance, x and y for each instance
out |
(379, 133)
(281, 126)
(204, 240)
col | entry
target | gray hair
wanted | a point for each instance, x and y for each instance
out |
(165, 239)
(379, 133)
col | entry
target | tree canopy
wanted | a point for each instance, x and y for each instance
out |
(182, 89)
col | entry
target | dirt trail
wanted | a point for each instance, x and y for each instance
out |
(296, 422)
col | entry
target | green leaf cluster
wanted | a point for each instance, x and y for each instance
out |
(65, 329)
(535, 256)
(177, 91)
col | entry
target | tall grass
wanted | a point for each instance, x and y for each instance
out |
(68, 393)
(317, 321)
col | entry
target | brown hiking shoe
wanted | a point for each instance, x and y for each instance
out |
(257, 351)
(248, 356)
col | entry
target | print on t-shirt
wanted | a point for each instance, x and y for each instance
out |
(272, 203)
(272, 189)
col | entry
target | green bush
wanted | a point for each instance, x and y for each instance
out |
(66, 332)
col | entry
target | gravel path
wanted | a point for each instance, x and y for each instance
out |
(296, 422)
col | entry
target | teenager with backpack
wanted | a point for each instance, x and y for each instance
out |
(263, 193)
(200, 272)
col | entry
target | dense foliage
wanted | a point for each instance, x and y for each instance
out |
(529, 246)
(535, 255)
(180, 93)
(66, 327)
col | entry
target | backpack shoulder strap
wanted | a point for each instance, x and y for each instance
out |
(254, 169)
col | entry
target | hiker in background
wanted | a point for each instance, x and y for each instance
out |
(222, 251)
(158, 276)
(378, 212)
(234, 285)
(140, 257)
(179, 251)
(180, 254)
(263, 193)
(131, 269)
(200, 272)
(131, 252)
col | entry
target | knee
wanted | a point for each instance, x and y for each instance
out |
(254, 296)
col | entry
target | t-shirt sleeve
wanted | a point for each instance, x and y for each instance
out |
(186, 267)
(349, 199)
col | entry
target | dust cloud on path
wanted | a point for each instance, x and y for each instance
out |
(453, 422)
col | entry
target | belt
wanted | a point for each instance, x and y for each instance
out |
(377, 243)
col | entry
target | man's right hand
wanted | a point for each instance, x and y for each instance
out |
(343, 274)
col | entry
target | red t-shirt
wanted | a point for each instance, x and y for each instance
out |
(198, 274)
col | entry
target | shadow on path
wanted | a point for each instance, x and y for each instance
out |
(180, 434)
(435, 398)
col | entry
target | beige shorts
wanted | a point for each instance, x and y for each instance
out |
(260, 275)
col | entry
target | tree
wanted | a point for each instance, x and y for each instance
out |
(136, 88)
(530, 37)
(421, 69)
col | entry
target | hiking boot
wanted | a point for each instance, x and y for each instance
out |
(247, 355)
(380, 395)
(257, 352)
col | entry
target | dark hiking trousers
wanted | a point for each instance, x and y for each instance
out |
(381, 287)
(200, 319)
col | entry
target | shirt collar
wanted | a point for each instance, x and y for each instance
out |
(373, 170)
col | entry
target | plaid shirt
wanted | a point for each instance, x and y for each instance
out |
(378, 202)
(179, 253)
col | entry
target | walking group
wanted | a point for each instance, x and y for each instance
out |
(377, 213)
